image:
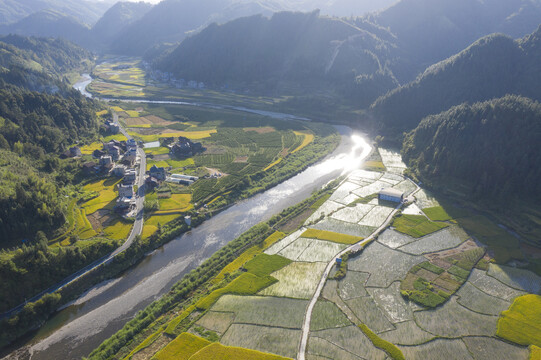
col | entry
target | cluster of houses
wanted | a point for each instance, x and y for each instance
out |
(116, 157)
(183, 147)
(167, 77)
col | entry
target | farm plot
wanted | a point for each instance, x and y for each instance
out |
(373, 188)
(319, 348)
(218, 351)
(376, 216)
(392, 160)
(275, 340)
(392, 303)
(475, 300)
(425, 199)
(394, 239)
(277, 247)
(412, 209)
(384, 265)
(439, 349)
(520, 324)
(297, 280)
(349, 338)
(352, 286)
(407, 333)
(182, 347)
(217, 321)
(438, 241)
(348, 199)
(453, 320)
(406, 186)
(269, 311)
(343, 190)
(352, 214)
(295, 249)
(392, 179)
(338, 226)
(324, 210)
(491, 286)
(107, 195)
(416, 225)
(484, 348)
(366, 310)
(366, 175)
(321, 251)
(519, 279)
(331, 236)
(327, 315)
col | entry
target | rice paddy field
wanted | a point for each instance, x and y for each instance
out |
(418, 292)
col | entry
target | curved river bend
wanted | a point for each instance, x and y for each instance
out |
(79, 328)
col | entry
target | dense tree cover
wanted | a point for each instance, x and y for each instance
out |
(39, 64)
(492, 67)
(297, 49)
(490, 148)
(30, 268)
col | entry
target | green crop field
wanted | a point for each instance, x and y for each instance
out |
(182, 348)
(520, 324)
(416, 225)
(217, 351)
(437, 213)
(331, 236)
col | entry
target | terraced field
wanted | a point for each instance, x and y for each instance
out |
(424, 289)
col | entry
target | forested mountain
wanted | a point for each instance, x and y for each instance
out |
(39, 63)
(490, 148)
(50, 23)
(87, 12)
(116, 19)
(300, 48)
(429, 31)
(492, 67)
(171, 20)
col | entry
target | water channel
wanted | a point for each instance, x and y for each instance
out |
(80, 327)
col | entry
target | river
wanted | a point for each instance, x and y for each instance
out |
(79, 328)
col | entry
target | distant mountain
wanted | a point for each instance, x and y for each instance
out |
(39, 64)
(50, 23)
(492, 67)
(116, 19)
(301, 48)
(489, 149)
(429, 31)
(87, 12)
(172, 20)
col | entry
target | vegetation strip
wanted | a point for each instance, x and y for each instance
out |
(391, 349)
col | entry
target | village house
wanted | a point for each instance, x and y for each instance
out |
(119, 170)
(72, 152)
(158, 173)
(184, 147)
(126, 191)
(390, 194)
(130, 156)
(151, 182)
(90, 168)
(106, 160)
(115, 152)
(130, 175)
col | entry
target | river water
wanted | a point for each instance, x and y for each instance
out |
(79, 328)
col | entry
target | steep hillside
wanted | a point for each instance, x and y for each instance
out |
(87, 12)
(429, 31)
(303, 48)
(117, 18)
(492, 67)
(50, 23)
(490, 148)
(171, 20)
(39, 63)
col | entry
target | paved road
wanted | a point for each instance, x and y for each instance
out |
(136, 230)
(308, 315)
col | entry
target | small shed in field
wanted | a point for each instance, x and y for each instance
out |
(390, 194)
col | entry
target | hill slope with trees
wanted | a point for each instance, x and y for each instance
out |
(492, 67)
(489, 148)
